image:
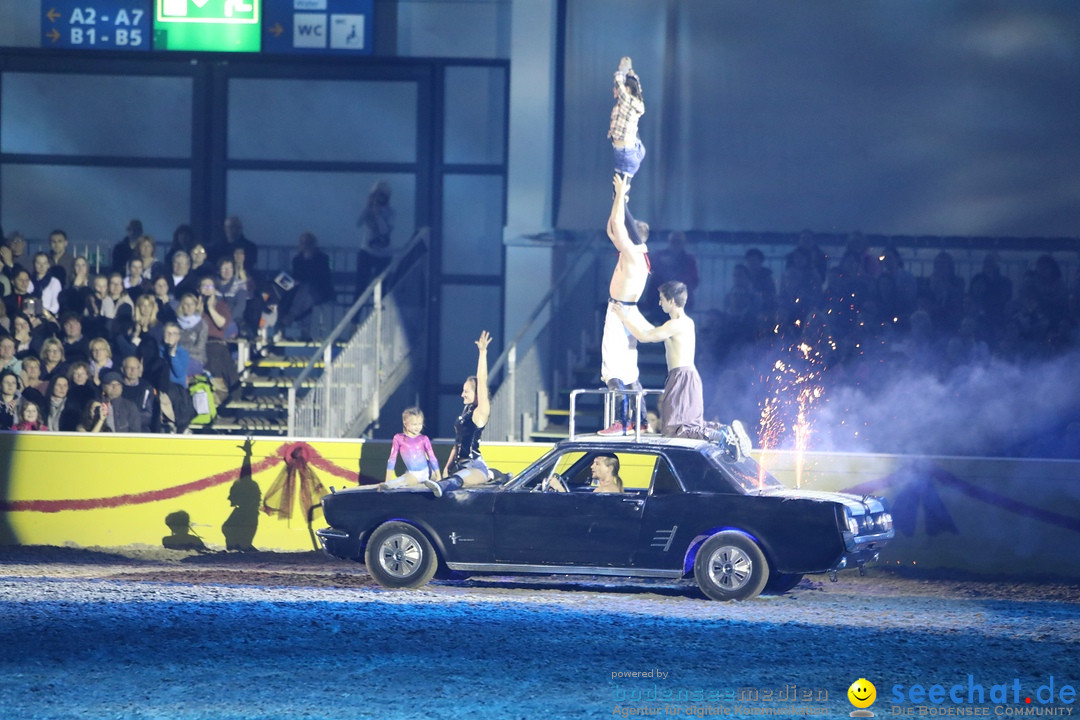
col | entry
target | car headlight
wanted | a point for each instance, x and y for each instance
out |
(852, 523)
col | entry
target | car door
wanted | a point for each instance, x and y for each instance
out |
(579, 527)
(670, 521)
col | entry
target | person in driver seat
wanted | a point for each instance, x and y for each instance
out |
(605, 471)
(605, 476)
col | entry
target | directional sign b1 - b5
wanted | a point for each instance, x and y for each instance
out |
(96, 24)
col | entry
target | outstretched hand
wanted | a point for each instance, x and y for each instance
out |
(621, 183)
(484, 341)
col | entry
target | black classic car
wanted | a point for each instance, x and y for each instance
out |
(688, 509)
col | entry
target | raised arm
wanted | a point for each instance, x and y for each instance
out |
(483, 401)
(616, 227)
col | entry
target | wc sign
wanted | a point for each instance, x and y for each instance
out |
(318, 26)
(309, 30)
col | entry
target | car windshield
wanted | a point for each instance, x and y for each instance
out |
(750, 476)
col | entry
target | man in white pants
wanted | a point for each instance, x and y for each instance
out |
(618, 349)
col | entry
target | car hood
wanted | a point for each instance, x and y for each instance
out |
(857, 504)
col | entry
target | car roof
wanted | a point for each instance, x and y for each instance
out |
(627, 442)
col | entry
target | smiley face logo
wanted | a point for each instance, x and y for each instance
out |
(862, 693)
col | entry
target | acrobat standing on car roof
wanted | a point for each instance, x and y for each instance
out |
(682, 408)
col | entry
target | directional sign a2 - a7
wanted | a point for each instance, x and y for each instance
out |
(96, 24)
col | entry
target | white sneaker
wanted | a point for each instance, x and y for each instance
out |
(434, 487)
(745, 445)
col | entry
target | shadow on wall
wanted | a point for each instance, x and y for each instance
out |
(181, 536)
(240, 527)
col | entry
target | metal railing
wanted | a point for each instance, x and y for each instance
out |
(519, 372)
(610, 398)
(390, 330)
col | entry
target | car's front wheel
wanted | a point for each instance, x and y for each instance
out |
(730, 566)
(398, 555)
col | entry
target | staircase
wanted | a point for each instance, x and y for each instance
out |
(268, 371)
(336, 388)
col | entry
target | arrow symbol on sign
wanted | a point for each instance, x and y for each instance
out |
(52, 14)
(53, 35)
(199, 3)
(276, 30)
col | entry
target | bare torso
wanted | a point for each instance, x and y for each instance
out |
(679, 349)
(631, 273)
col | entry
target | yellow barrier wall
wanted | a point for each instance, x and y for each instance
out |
(114, 490)
(1013, 517)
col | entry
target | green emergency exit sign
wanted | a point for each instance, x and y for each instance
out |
(208, 25)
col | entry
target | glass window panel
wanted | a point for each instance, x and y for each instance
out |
(93, 204)
(464, 312)
(276, 206)
(473, 221)
(453, 29)
(329, 120)
(118, 116)
(475, 114)
(20, 24)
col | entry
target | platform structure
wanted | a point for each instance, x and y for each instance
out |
(610, 398)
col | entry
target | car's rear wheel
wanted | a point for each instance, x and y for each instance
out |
(780, 583)
(399, 555)
(730, 566)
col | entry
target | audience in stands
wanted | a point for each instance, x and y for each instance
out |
(673, 262)
(193, 332)
(142, 394)
(200, 268)
(101, 355)
(863, 313)
(146, 249)
(117, 304)
(217, 319)
(80, 388)
(30, 418)
(234, 240)
(10, 396)
(232, 289)
(180, 280)
(125, 249)
(8, 361)
(133, 280)
(94, 416)
(76, 346)
(61, 412)
(52, 358)
(62, 262)
(307, 303)
(75, 296)
(183, 239)
(123, 415)
(44, 283)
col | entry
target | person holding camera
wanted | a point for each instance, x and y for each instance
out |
(93, 418)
